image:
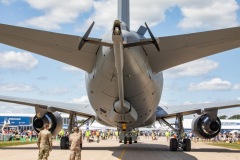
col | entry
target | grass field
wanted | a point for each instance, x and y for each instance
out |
(14, 143)
(227, 145)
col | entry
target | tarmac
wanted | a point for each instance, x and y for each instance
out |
(145, 149)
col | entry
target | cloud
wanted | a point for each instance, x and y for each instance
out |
(7, 2)
(56, 12)
(138, 14)
(42, 78)
(16, 87)
(213, 84)
(157, 13)
(238, 98)
(191, 103)
(163, 103)
(17, 60)
(187, 103)
(195, 68)
(71, 69)
(15, 108)
(208, 14)
(196, 14)
(56, 91)
(236, 86)
(203, 14)
(83, 99)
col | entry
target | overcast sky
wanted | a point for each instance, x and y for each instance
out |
(24, 74)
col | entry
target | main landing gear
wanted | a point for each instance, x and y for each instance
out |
(127, 137)
(176, 143)
(180, 141)
(64, 142)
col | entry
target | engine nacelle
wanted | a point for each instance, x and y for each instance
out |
(205, 128)
(53, 119)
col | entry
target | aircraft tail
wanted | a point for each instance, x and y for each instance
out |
(123, 12)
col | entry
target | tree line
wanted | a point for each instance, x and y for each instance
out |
(237, 116)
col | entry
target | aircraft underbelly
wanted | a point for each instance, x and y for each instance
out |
(142, 88)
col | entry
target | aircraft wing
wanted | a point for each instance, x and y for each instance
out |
(84, 110)
(172, 111)
(61, 47)
(176, 50)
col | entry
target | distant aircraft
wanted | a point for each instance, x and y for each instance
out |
(124, 77)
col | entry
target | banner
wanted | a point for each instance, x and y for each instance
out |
(15, 120)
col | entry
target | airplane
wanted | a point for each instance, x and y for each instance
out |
(124, 76)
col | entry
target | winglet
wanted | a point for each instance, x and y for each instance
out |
(85, 37)
(153, 38)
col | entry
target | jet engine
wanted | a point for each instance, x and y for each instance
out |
(53, 119)
(204, 127)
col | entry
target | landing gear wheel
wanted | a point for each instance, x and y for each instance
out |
(120, 141)
(130, 140)
(135, 141)
(187, 145)
(173, 144)
(125, 140)
(64, 143)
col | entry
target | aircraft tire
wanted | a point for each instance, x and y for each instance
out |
(173, 144)
(187, 144)
(125, 140)
(130, 140)
(64, 143)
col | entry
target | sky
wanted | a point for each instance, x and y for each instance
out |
(211, 79)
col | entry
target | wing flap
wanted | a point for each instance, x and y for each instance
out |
(61, 47)
(80, 109)
(176, 50)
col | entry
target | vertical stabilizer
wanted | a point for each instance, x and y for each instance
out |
(123, 12)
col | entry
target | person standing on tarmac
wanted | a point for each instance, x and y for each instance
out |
(98, 136)
(75, 140)
(167, 134)
(44, 143)
(116, 135)
(88, 134)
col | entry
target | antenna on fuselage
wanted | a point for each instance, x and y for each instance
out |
(124, 12)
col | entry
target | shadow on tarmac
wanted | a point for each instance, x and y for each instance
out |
(140, 150)
(150, 151)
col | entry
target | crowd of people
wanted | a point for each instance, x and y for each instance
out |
(228, 137)
(221, 137)
(92, 135)
(18, 134)
(44, 140)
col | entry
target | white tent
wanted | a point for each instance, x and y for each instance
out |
(234, 131)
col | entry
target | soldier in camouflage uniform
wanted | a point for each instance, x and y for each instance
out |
(44, 143)
(75, 140)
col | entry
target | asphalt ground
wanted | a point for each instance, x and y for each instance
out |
(145, 149)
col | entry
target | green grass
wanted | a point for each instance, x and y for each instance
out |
(227, 145)
(14, 143)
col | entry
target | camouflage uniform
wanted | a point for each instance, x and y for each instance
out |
(75, 140)
(44, 144)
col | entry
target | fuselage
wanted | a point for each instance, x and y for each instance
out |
(142, 87)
